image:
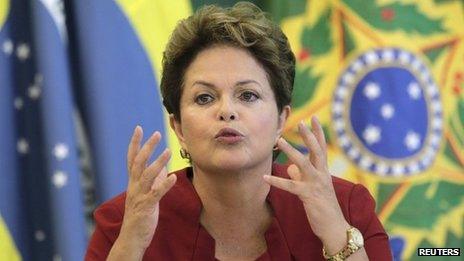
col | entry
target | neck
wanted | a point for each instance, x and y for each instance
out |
(234, 203)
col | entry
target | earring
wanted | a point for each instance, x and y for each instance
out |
(184, 154)
(275, 148)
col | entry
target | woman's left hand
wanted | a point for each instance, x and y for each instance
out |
(311, 181)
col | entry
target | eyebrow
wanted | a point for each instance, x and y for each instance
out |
(239, 83)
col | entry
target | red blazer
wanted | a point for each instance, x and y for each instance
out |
(180, 236)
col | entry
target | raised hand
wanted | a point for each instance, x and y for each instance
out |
(147, 185)
(311, 181)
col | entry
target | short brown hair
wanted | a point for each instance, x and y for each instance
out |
(245, 26)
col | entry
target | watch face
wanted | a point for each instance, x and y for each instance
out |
(357, 237)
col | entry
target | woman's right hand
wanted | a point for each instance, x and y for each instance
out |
(147, 185)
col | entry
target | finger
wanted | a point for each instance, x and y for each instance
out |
(319, 133)
(145, 152)
(295, 156)
(315, 151)
(164, 186)
(161, 176)
(294, 172)
(154, 170)
(134, 146)
(284, 184)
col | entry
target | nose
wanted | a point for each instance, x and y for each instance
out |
(227, 111)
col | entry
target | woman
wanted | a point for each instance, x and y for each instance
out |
(227, 82)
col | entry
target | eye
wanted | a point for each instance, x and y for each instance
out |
(203, 99)
(248, 96)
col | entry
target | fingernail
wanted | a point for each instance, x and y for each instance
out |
(139, 129)
(155, 133)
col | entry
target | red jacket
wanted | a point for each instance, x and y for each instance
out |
(180, 236)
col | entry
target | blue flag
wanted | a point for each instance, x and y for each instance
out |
(41, 198)
(75, 80)
(116, 89)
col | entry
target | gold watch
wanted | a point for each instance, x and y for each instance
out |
(355, 242)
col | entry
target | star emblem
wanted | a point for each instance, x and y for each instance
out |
(39, 235)
(60, 151)
(430, 54)
(372, 90)
(8, 47)
(22, 146)
(414, 90)
(372, 134)
(23, 51)
(387, 55)
(412, 140)
(34, 91)
(387, 111)
(18, 103)
(59, 179)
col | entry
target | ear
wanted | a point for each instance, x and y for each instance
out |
(286, 110)
(176, 126)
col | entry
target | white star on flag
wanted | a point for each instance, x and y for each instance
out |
(412, 140)
(357, 65)
(22, 146)
(23, 51)
(371, 58)
(387, 111)
(59, 179)
(8, 47)
(348, 78)
(414, 90)
(436, 106)
(437, 123)
(34, 92)
(404, 57)
(341, 93)
(365, 162)
(416, 64)
(413, 167)
(371, 134)
(381, 168)
(372, 90)
(398, 169)
(39, 235)
(18, 103)
(61, 151)
(387, 55)
(353, 153)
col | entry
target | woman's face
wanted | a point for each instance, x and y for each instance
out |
(229, 116)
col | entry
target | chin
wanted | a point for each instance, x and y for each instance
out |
(237, 162)
(231, 163)
(224, 163)
(232, 160)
